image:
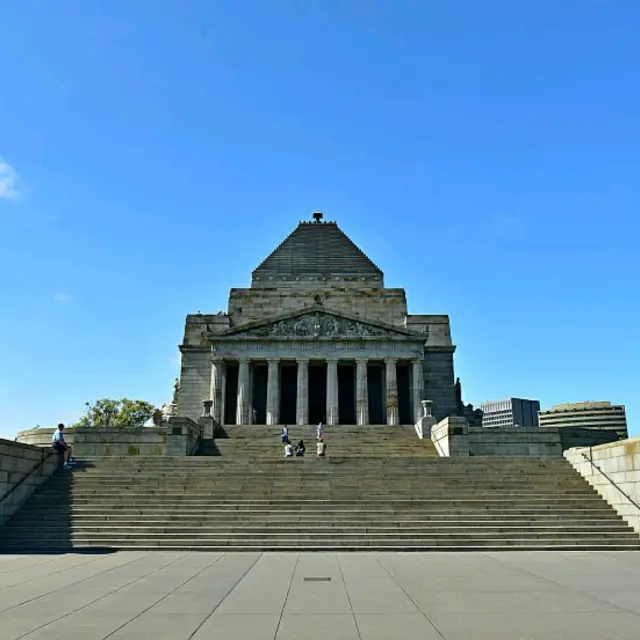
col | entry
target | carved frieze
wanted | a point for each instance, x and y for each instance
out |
(317, 325)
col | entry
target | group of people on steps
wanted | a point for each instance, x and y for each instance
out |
(299, 451)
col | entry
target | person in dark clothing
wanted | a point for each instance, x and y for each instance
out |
(300, 449)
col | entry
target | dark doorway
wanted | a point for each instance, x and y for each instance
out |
(231, 393)
(347, 393)
(404, 393)
(288, 392)
(375, 388)
(317, 392)
(259, 399)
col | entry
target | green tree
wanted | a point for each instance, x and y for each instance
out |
(134, 413)
(107, 413)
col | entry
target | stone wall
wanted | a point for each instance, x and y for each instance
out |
(90, 442)
(618, 462)
(43, 436)
(453, 437)
(17, 464)
(439, 381)
(195, 382)
(387, 305)
(514, 441)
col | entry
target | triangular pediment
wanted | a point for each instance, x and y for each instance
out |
(316, 323)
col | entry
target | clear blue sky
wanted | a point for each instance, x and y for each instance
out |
(485, 154)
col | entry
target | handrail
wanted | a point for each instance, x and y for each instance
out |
(589, 459)
(40, 465)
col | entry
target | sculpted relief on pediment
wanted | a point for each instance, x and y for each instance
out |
(317, 326)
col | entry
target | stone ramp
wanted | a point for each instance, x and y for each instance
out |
(341, 504)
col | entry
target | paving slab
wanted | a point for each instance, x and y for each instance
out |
(344, 596)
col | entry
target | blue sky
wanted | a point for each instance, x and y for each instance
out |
(485, 154)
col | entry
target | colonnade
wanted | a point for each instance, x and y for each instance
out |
(243, 400)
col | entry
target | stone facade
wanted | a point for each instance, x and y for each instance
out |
(317, 337)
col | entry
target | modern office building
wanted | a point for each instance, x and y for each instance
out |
(601, 416)
(512, 412)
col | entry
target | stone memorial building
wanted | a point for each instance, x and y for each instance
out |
(317, 337)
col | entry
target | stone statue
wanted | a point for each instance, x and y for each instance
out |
(176, 391)
(459, 403)
(168, 410)
(332, 327)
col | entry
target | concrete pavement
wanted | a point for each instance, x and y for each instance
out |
(350, 596)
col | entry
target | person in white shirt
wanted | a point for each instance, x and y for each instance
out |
(60, 446)
(288, 450)
(285, 434)
(321, 448)
(319, 431)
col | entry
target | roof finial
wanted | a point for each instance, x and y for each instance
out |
(318, 215)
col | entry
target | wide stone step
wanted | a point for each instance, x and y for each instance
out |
(570, 518)
(328, 546)
(364, 465)
(304, 532)
(295, 543)
(337, 478)
(278, 498)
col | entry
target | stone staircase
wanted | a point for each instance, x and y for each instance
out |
(374, 441)
(371, 494)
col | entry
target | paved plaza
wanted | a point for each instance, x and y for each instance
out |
(373, 596)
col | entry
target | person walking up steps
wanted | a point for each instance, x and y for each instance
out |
(319, 431)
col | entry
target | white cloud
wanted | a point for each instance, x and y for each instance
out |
(62, 297)
(8, 181)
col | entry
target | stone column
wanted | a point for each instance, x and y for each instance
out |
(223, 387)
(362, 392)
(392, 391)
(216, 389)
(242, 407)
(302, 392)
(273, 391)
(417, 375)
(250, 396)
(332, 391)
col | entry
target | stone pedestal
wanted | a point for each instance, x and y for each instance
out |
(273, 389)
(332, 391)
(393, 417)
(302, 392)
(362, 393)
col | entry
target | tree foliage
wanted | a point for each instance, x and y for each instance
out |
(108, 413)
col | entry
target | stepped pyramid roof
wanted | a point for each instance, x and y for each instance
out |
(317, 249)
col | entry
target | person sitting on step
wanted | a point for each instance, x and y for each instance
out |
(321, 448)
(288, 450)
(300, 449)
(61, 447)
(285, 434)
